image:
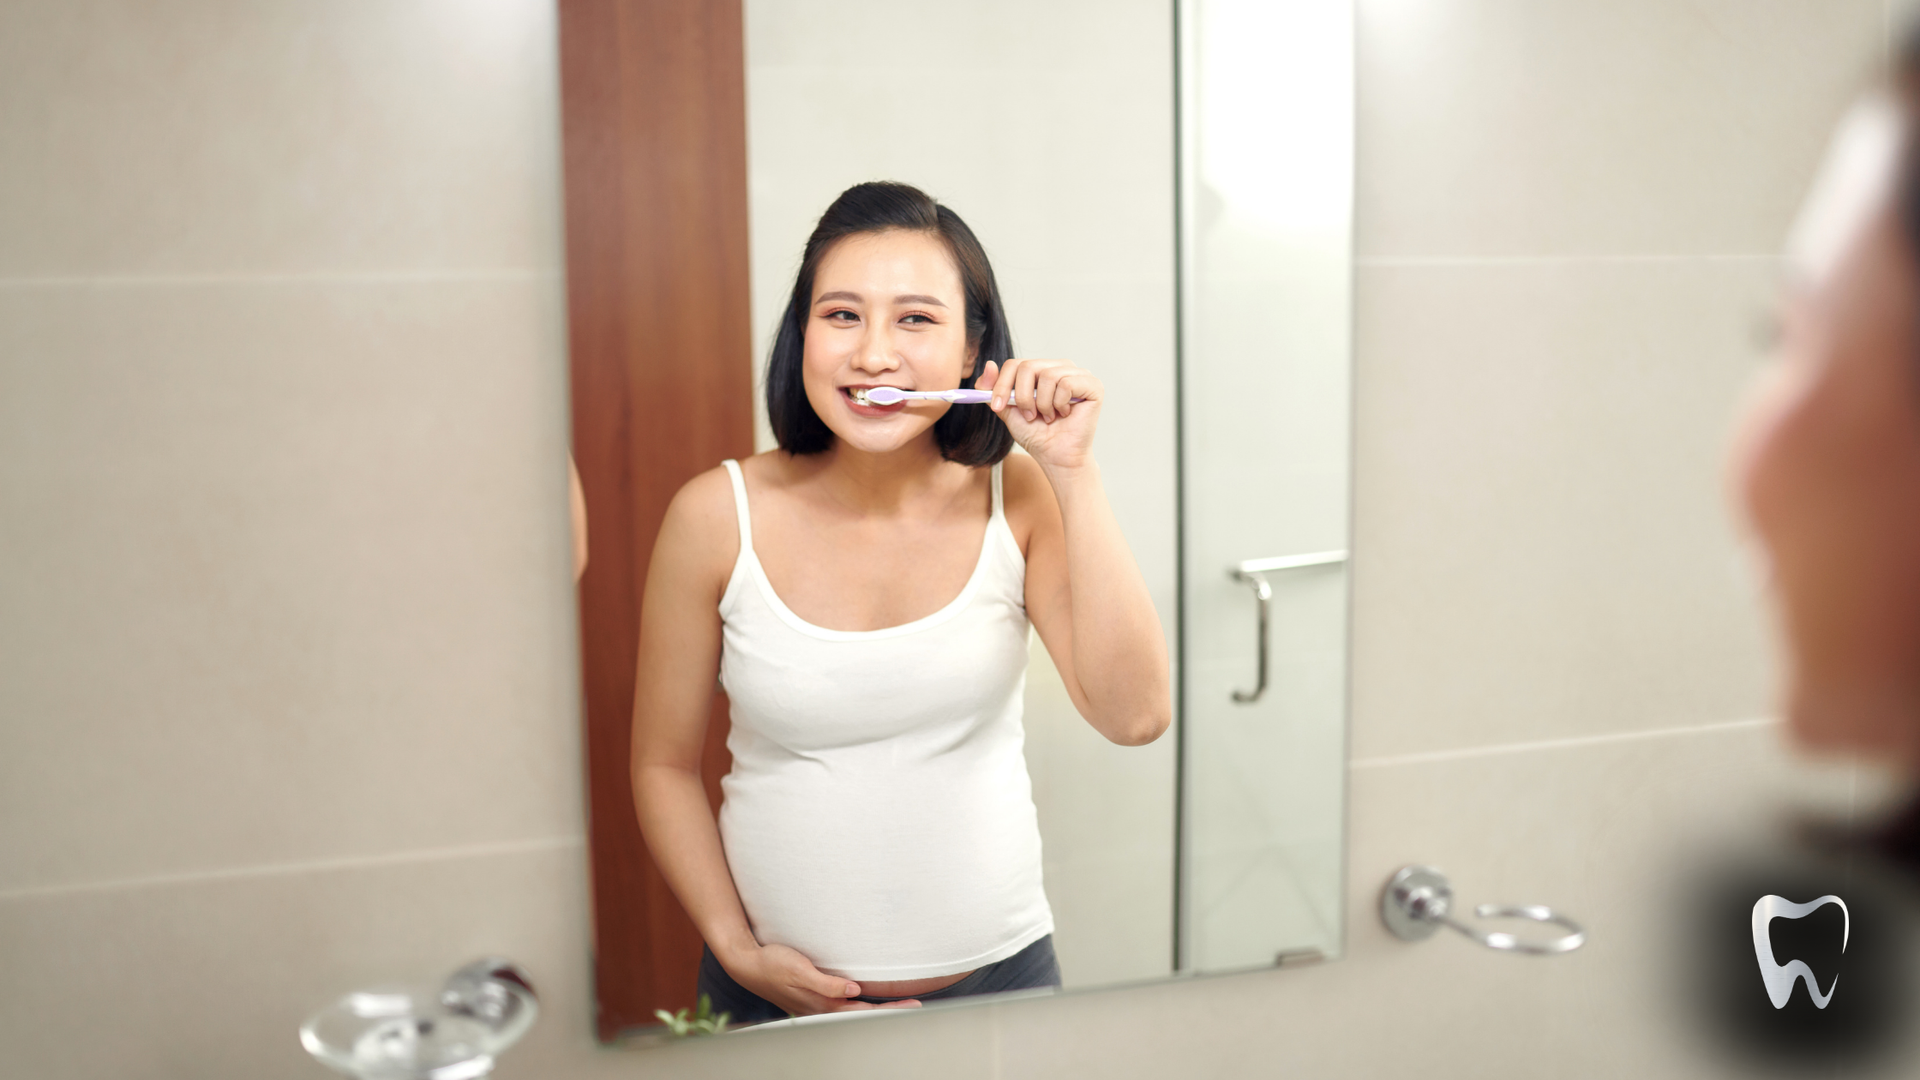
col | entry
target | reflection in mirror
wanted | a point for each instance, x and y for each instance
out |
(865, 592)
(1266, 212)
(926, 801)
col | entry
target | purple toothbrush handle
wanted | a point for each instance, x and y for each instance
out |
(978, 397)
(887, 395)
(987, 395)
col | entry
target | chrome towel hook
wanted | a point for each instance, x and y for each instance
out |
(1419, 899)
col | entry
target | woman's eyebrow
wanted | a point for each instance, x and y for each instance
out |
(909, 298)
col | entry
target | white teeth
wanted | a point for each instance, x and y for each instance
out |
(859, 396)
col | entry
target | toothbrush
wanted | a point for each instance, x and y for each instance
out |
(888, 395)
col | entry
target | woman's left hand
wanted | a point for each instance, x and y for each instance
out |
(1036, 400)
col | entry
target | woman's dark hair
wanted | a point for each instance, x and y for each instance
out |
(968, 436)
(1906, 84)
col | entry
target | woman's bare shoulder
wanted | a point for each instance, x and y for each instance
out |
(700, 530)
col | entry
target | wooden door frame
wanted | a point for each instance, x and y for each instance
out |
(653, 121)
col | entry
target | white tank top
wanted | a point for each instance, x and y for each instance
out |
(878, 816)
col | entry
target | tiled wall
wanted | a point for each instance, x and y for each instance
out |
(286, 675)
(287, 662)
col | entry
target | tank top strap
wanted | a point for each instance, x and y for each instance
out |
(999, 503)
(746, 521)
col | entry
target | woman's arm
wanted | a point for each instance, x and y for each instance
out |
(1085, 594)
(678, 663)
(577, 518)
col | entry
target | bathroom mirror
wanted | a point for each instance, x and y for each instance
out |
(1165, 191)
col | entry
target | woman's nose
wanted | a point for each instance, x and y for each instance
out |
(876, 353)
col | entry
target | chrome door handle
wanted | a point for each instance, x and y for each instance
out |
(1254, 572)
(1264, 593)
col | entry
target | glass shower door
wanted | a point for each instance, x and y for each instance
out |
(1266, 182)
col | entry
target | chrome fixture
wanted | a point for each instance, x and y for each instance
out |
(452, 1032)
(1418, 900)
(1254, 572)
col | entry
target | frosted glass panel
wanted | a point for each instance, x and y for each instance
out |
(1266, 164)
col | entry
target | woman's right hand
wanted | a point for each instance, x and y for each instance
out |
(788, 979)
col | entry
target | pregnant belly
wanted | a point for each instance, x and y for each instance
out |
(906, 988)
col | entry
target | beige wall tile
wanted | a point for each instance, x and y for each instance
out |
(1617, 836)
(212, 978)
(1542, 543)
(1522, 127)
(211, 136)
(287, 574)
(1599, 832)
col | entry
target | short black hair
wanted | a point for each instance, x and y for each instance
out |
(969, 436)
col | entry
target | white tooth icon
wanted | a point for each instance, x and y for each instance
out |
(1780, 978)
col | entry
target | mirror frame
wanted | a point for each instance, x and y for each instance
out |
(654, 149)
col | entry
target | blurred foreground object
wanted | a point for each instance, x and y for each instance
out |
(1828, 458)
(453, 1032)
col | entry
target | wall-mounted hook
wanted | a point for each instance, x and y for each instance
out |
(1419, 900)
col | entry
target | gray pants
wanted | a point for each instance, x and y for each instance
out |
(1032, 968)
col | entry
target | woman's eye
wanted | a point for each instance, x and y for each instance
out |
(842, 317)
(917, 320)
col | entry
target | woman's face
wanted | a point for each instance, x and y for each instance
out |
(1828, 460)
(888, 310)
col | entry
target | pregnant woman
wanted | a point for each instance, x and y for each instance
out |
(864, 594)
